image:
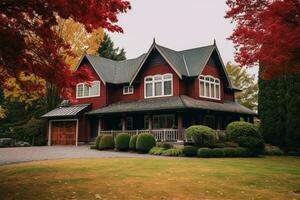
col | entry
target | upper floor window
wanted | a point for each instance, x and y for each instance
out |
(84, 90)
(158, 85)
(209, 87)
(128, 89)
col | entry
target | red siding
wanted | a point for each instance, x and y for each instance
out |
(96, 102)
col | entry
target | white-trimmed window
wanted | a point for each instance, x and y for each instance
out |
(209, 87)
(84, 90)
(128, 89)
(158, 85)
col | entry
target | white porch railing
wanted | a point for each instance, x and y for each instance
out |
(164, 135)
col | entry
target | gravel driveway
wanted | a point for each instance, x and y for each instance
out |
(24, 154)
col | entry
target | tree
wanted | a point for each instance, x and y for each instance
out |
(107, 49)
(268, 31)
(30, 45)
(241, 79)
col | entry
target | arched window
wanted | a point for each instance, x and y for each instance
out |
(209, 87)
(158, 85)
(84, 90)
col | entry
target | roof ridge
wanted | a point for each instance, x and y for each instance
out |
(180, 51)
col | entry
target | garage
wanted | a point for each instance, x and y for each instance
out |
(63, 124)
(63, 132)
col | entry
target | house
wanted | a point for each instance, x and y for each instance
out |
(163, 92)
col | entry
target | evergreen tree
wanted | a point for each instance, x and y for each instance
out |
(107, 49)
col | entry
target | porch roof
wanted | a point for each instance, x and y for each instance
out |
(171, 103)
(66, 111)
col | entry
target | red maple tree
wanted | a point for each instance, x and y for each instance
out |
(267, 33)
(29, 45)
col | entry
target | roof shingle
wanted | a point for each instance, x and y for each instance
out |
(69, 111)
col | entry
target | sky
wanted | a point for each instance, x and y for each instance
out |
(176, 24)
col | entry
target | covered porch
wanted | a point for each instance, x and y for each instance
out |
(165, 118)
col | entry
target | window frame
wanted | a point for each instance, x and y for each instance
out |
(212, 82)
(158, 78)
(89, 90)
(128, 89)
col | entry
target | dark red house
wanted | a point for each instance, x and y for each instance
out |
(163, 92)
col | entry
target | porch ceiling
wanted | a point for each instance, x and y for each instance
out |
(171, 103)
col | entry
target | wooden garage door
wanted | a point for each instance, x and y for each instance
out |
(63, 133)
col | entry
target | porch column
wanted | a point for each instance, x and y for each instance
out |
(150, 123)
(123, 122)
(179, 125)
(99, 125)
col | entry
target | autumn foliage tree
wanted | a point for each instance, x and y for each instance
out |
(31, 46)
(267, 32)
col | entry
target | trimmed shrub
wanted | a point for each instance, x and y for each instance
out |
(165, 145)
(218, 145)
(97, 141)
(145, 142)
(122, 141)
(243, 152)
(204, 152)
(173, 152)
(107, 142)
(246, 135)
(156, 151)
(201, 135)
(132, 142)
(230, 152)
(217, 152)
(272, 150)
(189, 151)
(231, 144)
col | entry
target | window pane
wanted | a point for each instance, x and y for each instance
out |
(95, 89)
(217, 81)
(157, 78)
(158, 89)
(170, 121)
(167, 88)
(130, 89)
(202, 77)
(217, 91)
(79, 90)
(167, 76)
(149, 91)
(149, 79)
(212, 86)
(86, 90)
(201, 88)
(207, 89)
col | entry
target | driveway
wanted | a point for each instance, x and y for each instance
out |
(25, 154)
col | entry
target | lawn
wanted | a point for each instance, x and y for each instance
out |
(153, 178)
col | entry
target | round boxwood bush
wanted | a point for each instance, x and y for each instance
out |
(230, 152)
(145, 142)
(203, 136)
(204, 152)
(132, 142)
(246, 135)
(107, 142)
(97, 141)
(122, 141)
(190, 151)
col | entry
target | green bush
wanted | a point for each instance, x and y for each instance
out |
(122, 141)
(156, 151)
(246, 135)
(243, 152)
(165, 145)
(107, 142)
(201, 135)
(230, 152)
(173, 152)
(231, 144)
(132, 142)
(97, 141)
(221, 136)
(204, 152)
(145, 142)
(272, 150)
(189, 151)
(223, 152)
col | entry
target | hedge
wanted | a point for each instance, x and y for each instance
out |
(107, 142)
(145, 142)
(122, 141)
(190, 151)
(132, 142)
(203, 136)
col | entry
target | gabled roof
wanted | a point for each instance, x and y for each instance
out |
(67, 111)
(188, 63)
(171, 103)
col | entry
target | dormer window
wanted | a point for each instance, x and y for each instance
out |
(84, 90)
(209, 87)
(158, 85)
(128, 89)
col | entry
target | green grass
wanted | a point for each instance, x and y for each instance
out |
(153, 178)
